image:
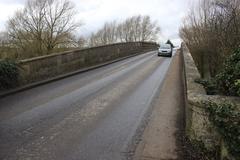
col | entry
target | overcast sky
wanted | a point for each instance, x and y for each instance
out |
(94, 13)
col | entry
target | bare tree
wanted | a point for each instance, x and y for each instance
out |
(211, 32)
(136, 28)
(149, 30)
(42, 26)
(6, 48)
(4, 39)
(119, 33)
(81, 42)
(127, 30)
(106, 35)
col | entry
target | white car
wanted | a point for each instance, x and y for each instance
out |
(165, 50)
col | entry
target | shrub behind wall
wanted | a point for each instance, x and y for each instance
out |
(8, 74)
(228, 79)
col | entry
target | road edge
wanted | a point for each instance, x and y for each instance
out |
(146, 138)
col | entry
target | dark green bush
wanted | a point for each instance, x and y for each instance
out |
(226, 118)
(228, 79)
(8, 74)
(209, 85)
(196, 150)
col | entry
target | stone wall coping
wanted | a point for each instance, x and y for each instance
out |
(79, 50)
(197, 99)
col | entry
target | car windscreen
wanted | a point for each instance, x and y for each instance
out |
(165, 47)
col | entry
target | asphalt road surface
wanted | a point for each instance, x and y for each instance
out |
(96, 115)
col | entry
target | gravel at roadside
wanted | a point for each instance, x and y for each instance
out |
(163, 138)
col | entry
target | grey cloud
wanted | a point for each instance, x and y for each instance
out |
(9, 2)
(95, 12)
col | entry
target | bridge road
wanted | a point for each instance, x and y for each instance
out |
(96, 115)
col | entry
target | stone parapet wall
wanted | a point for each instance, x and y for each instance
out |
(198, 126)
(45, 67)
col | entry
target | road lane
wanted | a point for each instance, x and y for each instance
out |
(94, 115)
(113, 138)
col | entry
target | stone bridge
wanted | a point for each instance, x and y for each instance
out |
(119, 101)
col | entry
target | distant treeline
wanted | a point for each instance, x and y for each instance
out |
(133, 29)
(47, 26)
